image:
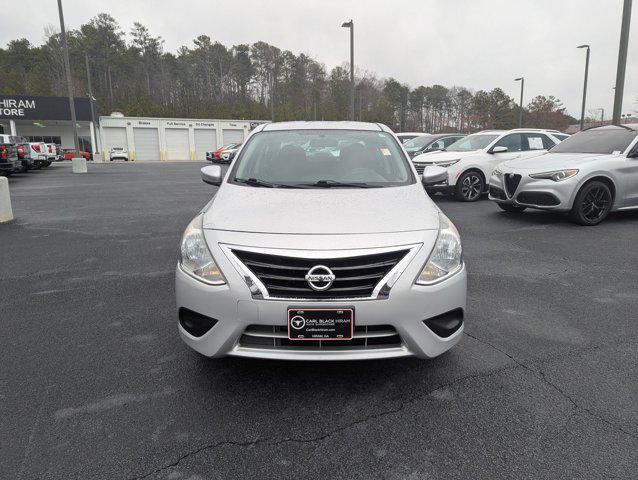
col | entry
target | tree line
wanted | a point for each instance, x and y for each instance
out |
(133, 73)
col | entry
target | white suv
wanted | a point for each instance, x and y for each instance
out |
(471, 160)
(118, 152)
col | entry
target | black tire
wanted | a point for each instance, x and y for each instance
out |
(508, 207)
(469, 187)
(592, 204)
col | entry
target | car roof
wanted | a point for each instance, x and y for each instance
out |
(627, 126)
(441, 135)
(546, 130)
(302, 125)
(418, 134)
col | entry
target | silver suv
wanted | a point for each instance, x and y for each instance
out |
(321, 244)
(589, 175)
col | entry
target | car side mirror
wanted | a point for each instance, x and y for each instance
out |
(212, 174)
(498, 150)
(433, 175)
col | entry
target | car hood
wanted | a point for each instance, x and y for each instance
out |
(552, 161)
(321, 211)
(443, 156)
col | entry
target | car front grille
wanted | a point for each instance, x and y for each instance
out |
(497, 193)
(355, 276)
(420, 167)
(544, 199)
(276, 337)
(511, 181)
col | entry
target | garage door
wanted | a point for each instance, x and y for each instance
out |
(177, 145)
(232, 135)
(146, 144)
(205, 141)
(114, 137)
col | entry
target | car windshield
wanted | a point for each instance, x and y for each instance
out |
(322, 159)
(471, 143)
(604, 140)
(418, 143)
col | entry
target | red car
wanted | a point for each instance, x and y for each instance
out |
(216, 155)
(68, 154)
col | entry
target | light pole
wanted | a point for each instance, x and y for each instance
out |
(91, 100)
(622, 61)
(582, 111)
(520, 105)
(602, 116)
(67, 68)
(350, 25)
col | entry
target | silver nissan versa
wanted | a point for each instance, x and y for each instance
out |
(321, 244)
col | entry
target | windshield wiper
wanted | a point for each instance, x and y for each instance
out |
(334, 183)
(255, 182)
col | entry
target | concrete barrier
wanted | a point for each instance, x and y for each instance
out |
(79, 165)
(6, 213)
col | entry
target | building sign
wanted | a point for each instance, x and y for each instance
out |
(24, 107)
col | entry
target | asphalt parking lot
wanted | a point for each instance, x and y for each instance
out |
(95, 383)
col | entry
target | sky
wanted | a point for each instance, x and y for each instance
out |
(478, 44)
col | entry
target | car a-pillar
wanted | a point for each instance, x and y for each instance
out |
(6, 213)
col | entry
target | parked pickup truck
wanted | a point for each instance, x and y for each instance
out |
(39, 153)
(24, 154)
(9, 162)
(53, 152)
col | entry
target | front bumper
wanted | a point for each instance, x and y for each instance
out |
(543, 194)
(444, 188)
(406, 308)
(10, 165)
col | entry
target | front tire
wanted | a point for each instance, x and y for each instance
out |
(592, 204)
(508, 207)
(469, 187)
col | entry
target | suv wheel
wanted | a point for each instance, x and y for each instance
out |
(592, 204)
(508, 207)
(469, 187)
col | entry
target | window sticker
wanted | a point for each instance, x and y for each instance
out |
(385, 151)
(535, 143)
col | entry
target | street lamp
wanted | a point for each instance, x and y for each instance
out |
(520, 105)
(350, 25)
(622, 61)
(67, 68)
(582, 112)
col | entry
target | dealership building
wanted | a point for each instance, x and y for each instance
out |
(170, 139)
(48, 119)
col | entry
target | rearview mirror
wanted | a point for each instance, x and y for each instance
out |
(433, 175)
(212, 174)
(499, 150)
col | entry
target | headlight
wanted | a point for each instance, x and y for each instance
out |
(446, 258)
(497, 173)
(195, 258)
(449, 163)
(557, 175)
